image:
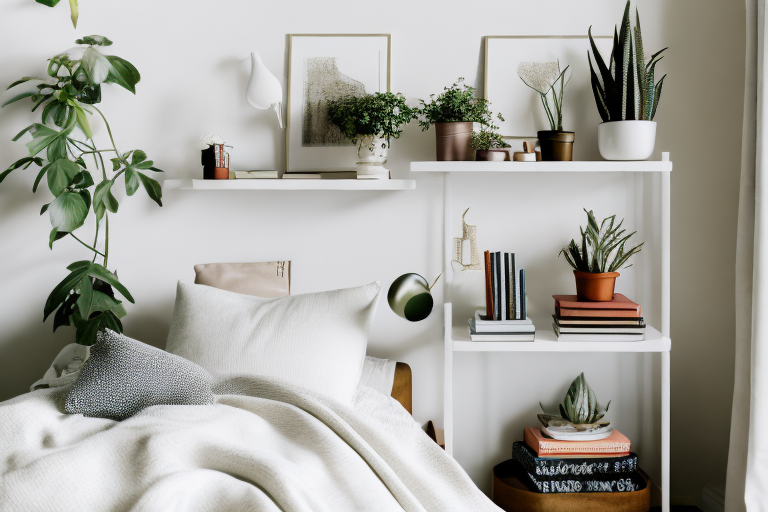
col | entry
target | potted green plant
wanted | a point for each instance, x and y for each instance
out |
(489, 146)
(626, 94)
(549, 82)
(453, 113)
(598, 258)
(371, 121)
(75, 172)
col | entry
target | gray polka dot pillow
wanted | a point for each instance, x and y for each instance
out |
(123, 376)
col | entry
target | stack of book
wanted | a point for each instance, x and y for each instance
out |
(254, 175)
(550, 466)
(506, 307)
(332, 175)
(617, 320)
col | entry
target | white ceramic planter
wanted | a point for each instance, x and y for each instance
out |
(626, 140)
(371, 155)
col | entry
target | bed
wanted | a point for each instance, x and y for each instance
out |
(259, 442)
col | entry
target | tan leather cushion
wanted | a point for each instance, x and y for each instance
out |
(267, 279)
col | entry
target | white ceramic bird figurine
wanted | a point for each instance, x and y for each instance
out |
(264, 90)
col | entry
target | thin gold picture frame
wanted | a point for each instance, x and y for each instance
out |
(290, 67)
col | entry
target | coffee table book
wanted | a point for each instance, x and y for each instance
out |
(616, 445)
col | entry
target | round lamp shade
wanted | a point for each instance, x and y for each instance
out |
(409, 297)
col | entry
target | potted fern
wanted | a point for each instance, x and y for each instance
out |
(453, 113)
(371, 121)
(488, 144)
(626, 94)
(600, 255)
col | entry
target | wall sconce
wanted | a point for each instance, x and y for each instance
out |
(410, 297)
(264, 90)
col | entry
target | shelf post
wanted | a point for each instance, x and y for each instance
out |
(665, 331)
(448, 381)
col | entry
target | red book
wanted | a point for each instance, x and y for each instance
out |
(615, 445)
(597, 313)
(488, 288)
(619, 302)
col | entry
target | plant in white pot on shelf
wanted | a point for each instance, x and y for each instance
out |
(371, 121)
(600, 255)
(454, 113)
(489, 145)
(626, 94)
(547, 79)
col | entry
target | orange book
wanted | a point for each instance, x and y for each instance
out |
(615, 445)
(619, 302)
(597, 313)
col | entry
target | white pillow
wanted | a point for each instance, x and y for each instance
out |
(378, 374)
(315, 340)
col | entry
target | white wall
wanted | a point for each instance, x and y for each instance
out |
(192, 56)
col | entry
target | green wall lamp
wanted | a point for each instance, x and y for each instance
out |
(410, 297)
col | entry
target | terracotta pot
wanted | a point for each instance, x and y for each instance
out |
(595, 287)
(452, 142)
(556, 146)
(491, 155)
(221, 173)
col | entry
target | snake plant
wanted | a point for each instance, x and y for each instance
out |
(580, 403)
(602, 246)
(625, 89)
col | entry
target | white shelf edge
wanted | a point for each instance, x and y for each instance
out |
(290, 184)
(544, 167)
(546, 341)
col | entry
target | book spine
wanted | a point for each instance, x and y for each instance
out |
(548, 469)
(488, 286)
(498, 286)
(597, 313)
(551, 448)
(506, 287)
(495, 301)
(513, 288)
(503, 282)
(630, 483)
(523, 300)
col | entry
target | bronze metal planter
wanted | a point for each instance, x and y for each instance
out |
(452, 142)
(556, 146)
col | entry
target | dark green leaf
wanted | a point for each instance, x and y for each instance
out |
(95, 65)
(67, 212)
(123, 73)
(87, 329)
(131, 181)
(54, 236)
(40, 177)
(42, 136)
(153, 188)
(103, 198)
(116, 164)
(57, 149)
(86, 195)
(21, 81)
(82, 122)
(44, 208)
(155, 169)
(19, 97)
(63, 316)
(60, 175)
(94, 40)
(62, 290)
(99, 272)
(138, 157)
(49, 3)
(23, 163)
(82, 180)
(145, 165)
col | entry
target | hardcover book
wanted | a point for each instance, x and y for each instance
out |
(587, 321)
(593, 335)
(527, 335)
(619, 302)
(601, 328)
(488, 285)
(616, 445)
(629, 482)
(550, 468)
(596, 313)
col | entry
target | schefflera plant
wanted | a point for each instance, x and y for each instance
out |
(75, 172)
(624, 89)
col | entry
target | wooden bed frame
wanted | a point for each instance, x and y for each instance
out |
(402, 386)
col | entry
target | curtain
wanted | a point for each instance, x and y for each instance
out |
(747, 480)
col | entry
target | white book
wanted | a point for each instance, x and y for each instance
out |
(502, 329)
(250, 175)
(482, 322)
(597, 337)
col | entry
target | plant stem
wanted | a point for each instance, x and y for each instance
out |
(86, 245)
(106, 239)
(109, 130)
(96, 242)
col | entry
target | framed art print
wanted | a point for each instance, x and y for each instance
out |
(322, 68)
(521, 106)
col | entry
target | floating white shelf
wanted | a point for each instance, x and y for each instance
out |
(546, 341)
(602, 166)
(290, 184)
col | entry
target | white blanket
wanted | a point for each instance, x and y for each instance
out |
(264, 446)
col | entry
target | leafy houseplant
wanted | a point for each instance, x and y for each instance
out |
(600, 255)
(549, 82)
(489, 145)
(371, 121)
(62, 142)
(453, 113)
(625, 90)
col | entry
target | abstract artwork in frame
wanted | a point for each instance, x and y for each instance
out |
(521, 106)
(321, 68)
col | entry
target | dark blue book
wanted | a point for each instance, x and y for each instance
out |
(555, 468)
(523, 301)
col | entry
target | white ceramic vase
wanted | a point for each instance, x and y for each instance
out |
(371, 156)
(264, 90)
(626, 140)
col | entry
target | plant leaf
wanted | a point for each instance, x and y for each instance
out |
(82, 122)
(19, 97)
(60, 174)
(96, 66)
(22, 81)
(74, 12)
(153, 188)
(67, 212)
(99, 272)
(131, 180)
(122, 73)
(62, 290)
(22, 163)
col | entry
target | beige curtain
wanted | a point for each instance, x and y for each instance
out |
(747, 481)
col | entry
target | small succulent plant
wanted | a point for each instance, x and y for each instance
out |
(602, 246)
(624, 89)
(580, 405)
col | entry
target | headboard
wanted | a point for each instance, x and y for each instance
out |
(402, 386)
